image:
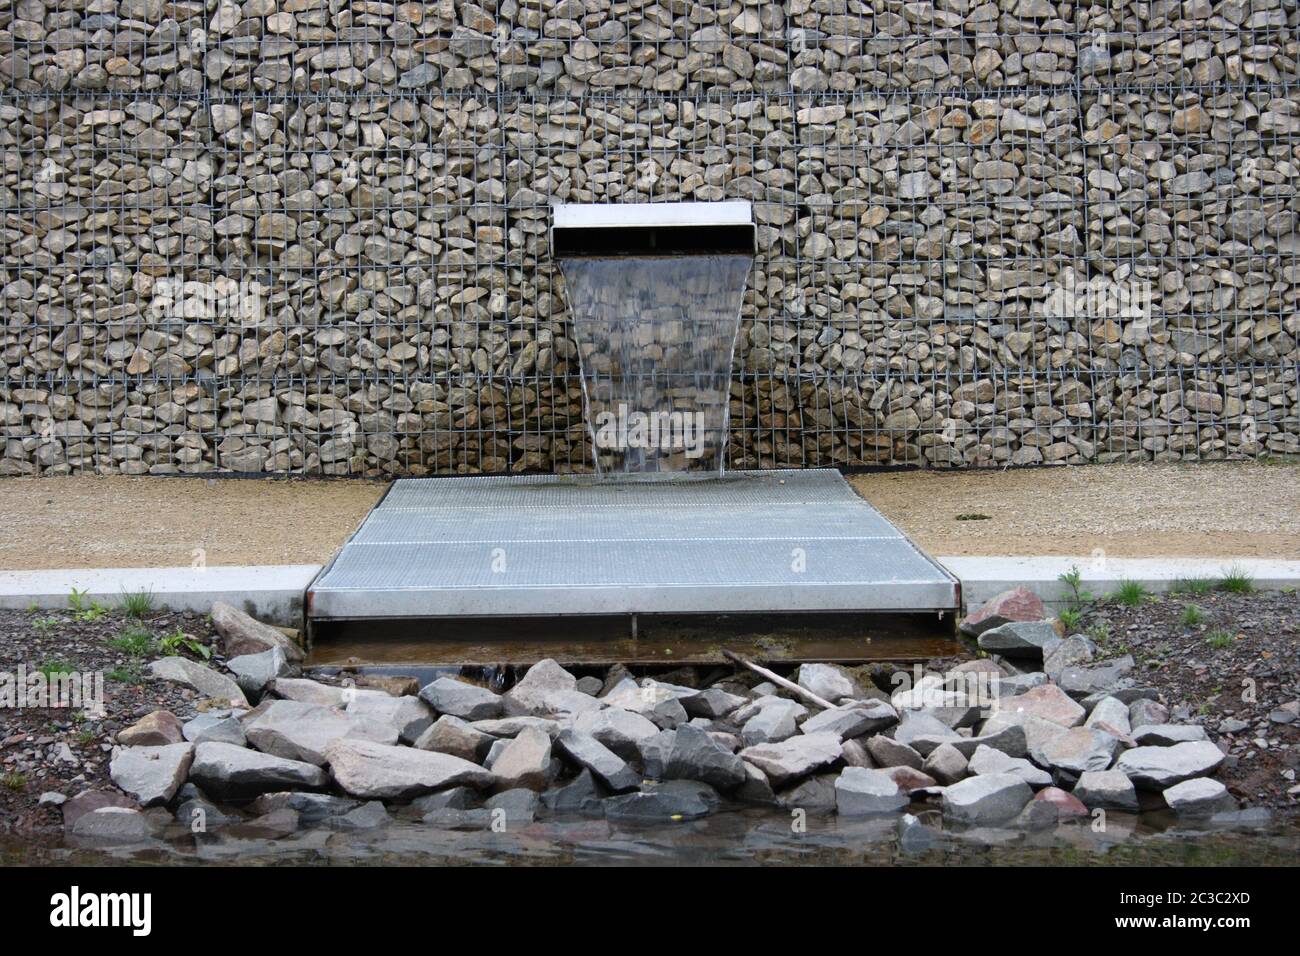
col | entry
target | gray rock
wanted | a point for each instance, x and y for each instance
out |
(887, 752)
(297, 731)
(1198, 798)
(1070, 652)
(1048, 702)
(312, 808)
(1036, 816)
(368, 816)
(157, 729)
(622, 731)
(1166, 735)
(581, 796)
(591, 686)
(945, 764)
(511, 726)
(1019, 638)
(227, 771)
(1144, 712)
(1010, 740)
(525, 761)
(408, 716)
(199, 815)
(1016, 684)
(374, 771)
(774, 722)
(203, 679)
(668, 801)
(986, 761)
(1109, 678)
(915, 725)
(712, 703)
(914, 836)
(852, 720)
(788, 760)
(826, 681)
(254, 672)
(1081, 749)
(756, 789)
(860, 792)
(1107, 790)
(1158, 768)
(655, 752)
(516, 807)
(812, 795)
(447, 695)
(308, 691)
(455, 798)
(1036, 732)
(244, 635)
(545, 690)
(214, 728)
(113, 825)
(451, 735)
(151, 775)
(610, 769)
(695, 755)
(984, 800)
(1111, 715)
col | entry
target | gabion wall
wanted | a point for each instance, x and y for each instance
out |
(309, 235)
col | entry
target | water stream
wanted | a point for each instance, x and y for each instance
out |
(656, 338)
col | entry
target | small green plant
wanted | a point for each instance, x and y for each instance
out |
(1235, 580)
(87, 737)
(33, 608)
(14, 781)
(974, 516)
(1073, 579)
(133, 642)
(52, 669)
(1131, 593)
(1071, 618)
(77, 600)
(1219, 639)
(137, 604)
(1100, 633)
(1193, 616)
(84, 609)
(43, 624)
(131, 674)
(180, 641)
(1192, 586)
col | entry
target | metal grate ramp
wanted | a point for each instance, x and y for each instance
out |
(750, 542)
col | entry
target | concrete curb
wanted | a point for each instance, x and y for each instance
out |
(272, 593)
(983, 577)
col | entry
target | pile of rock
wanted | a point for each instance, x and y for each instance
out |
(1037, 733)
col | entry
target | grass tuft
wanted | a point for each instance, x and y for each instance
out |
(1235, 580)
(1193, 616)
(1219, 639)
(137, 604)
(1131, 593)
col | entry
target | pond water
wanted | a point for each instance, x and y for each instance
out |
(733, 837)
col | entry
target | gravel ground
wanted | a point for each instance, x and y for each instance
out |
(32, 740)
(1218, 510)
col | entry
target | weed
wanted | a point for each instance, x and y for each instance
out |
(14, 781)
(1100, 633)
(1193, 616)
(52, 669)
(1219, 639)
(1071, 618)
(1192, 586)
(1235, 580)
(43, 624)
(131, 674)
(1131, 593)
(180, 641)
(137, 603)
(133, 642)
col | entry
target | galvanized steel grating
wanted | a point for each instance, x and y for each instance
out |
(764, 542)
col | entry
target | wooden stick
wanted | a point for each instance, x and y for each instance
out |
(779, 680)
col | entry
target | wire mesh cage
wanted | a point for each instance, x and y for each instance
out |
(310, 237)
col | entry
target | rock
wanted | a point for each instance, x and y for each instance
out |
(1036, 733)
(655, 752)
(1107, 790)
(826, 681)
(199, 815)
(547, 688)
(447, 695)
(610, 769)
(312, 808)
(1081, 749)
(852, 720)
(913, 835)
(254, 672)
(216, 728)
(1017, 684)
(909, 780)
(756, 789)
(1158, 768)
(788, 760)
(409, 717)
(227, 771)
(313, 692)
(591, 686)
(1111, 715)
(151, 775)
(114, 825)
(1106, 678)
(945, 764)
(372, 771)
(860, 792)
(1070, 652)
(811, 795)
(514, 807)
(525, 761)
(451, 735)
(1010, 740)
(89, 800)
(1067, 806)
(1019, 638)
(368, 816)
(1166, 735)
(775, 721)
(672, 800)
(695, 755)
(270, 826)
(579, 796)
(243, 635)
(454, 798)
(157, 729)
(1047, 702)
(987, 761)
(296, 731)
(51, 798)
(1198, 798)
(1144, 712)
(854, 753)
(985, 799)
(511, 726)
(887, 752)
(1037, 815)
(1018, 604)
(915, 725)
(203, 679)
(622, 731)
(711, 703)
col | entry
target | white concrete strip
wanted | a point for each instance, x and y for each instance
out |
(983, 577)
(271, 593)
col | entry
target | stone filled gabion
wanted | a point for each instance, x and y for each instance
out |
(310, 235)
